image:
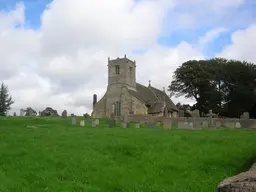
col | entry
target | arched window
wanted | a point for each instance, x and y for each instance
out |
(116, 108)
(117, 69)
(130, 70)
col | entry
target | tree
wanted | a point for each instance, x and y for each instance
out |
(5, 100)
(228, 87)
(30, 112)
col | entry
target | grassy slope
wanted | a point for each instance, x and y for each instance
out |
(57, 156)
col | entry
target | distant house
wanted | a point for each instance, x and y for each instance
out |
(125, 96)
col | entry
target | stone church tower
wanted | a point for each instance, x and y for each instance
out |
(125, 96)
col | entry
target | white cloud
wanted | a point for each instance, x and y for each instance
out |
(211, 35)
(64, 62)
(243, 45)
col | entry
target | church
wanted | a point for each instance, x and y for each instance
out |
(124, 96)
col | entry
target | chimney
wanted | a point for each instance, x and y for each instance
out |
(94, 99)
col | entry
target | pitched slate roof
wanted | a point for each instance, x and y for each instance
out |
(153, 97)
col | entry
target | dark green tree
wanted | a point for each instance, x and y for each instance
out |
(193, 80)
(5, 100)
(227, 87)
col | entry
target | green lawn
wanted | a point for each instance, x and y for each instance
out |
(58, 157)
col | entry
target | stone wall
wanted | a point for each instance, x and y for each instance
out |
(138, 107)
(204, 122)
(99, 110)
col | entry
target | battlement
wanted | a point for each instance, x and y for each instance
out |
(121, 61)
(121, 72)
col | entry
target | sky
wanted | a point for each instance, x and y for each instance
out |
(54, 53)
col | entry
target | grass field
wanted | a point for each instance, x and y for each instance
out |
(56, 156)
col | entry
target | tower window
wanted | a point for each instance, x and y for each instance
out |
(117, 69)
(130, 69)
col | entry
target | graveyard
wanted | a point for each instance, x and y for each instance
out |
(83, 154)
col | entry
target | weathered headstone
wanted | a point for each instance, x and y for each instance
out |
(167, 124)
(196, 123)
(245, 115)
(185, 125)
(89, 120)
(64, 114)
(73, 120)
(210, 118)
(82, 123)
(230, 125)
(22, 112)
(137, 125)
(195, 113)
(93, 124)
(205, 124)
(237, 125)
(124, 125)
(97, 122)
(111, 123)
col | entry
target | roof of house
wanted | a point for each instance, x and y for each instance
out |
(154, 98)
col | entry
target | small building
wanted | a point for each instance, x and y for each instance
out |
(125, 96)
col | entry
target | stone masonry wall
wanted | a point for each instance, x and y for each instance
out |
(204, 122)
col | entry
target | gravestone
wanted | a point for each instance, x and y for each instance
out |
(82, 123)
(22, 112)
(210, 118)
(64, 114)
(137, 125)
(111, 123)
(158, 124)
(73, 120)
(93, 124)
(196, 124)
(195, 113)
(151, 125)
(89, 120)
(167, 124)
(124, 125)
(205, 124)
(185, 125)
(237, 125)
(97, 122)
(245, 115)
(229, 125)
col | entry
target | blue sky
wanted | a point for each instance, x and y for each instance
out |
(233, 19)
(64, 50)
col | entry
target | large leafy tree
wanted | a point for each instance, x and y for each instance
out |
(5, 100)
(225, 86)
